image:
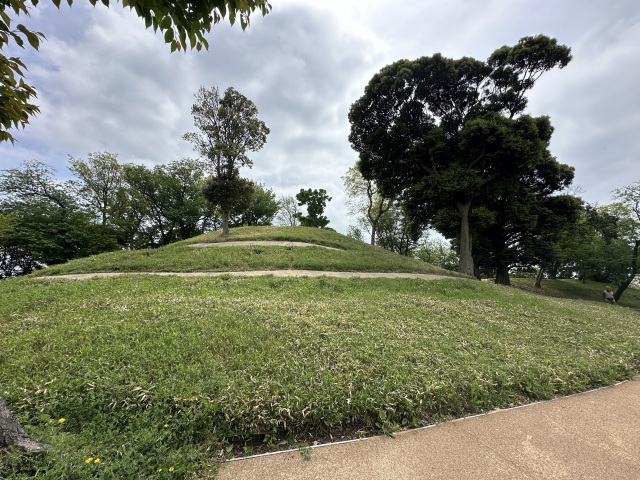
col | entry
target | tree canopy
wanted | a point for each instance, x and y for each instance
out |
(450, 137)
(315, 201)
(183, 24)
(47, 224)
(262, 210)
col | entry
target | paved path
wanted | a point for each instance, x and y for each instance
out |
(259, 273)
(593, 435)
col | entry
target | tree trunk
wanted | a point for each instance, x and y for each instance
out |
(553, 273)
(502, 276)
(225, 222)
(621, 288)
(634, 271)
(539, 277)
(373, 232)
(466, 258)
(11, 433)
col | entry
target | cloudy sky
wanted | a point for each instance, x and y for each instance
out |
(106, 84)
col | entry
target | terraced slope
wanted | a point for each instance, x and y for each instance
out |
(344, 254)
(160, 376)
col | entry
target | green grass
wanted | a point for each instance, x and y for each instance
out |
(352, 255)
(576, 290)
(157, 372)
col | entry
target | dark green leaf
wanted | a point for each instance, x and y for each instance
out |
(168, 36)
(5, 18)
(165, 23)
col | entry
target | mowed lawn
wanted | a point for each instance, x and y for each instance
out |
(157, 377)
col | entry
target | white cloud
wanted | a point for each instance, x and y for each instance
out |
(106, 83)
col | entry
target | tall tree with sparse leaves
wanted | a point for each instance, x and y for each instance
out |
(628, 211)
(228, 128)
(288, 213)
(365, 200)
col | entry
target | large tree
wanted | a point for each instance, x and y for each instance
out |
(98, 180)
(228, 127)
(183, 23)
(101, 186)
(558, 217)
(447, 133)
(397, 233)
(288, 213)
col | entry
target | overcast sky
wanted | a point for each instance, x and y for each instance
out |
(106, 84)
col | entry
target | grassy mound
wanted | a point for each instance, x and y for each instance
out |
(157, 377)
(351, 255)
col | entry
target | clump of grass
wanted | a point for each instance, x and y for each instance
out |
(158, 372)
(305, 452)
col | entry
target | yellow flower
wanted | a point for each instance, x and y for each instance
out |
(171, 469)
(159, 470)
(61, 420)
(88, 460)
(96, 460)
(166, 425)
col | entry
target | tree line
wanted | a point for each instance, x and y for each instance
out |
(110, 206)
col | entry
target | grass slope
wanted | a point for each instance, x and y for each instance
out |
(352, 255)
(156, 376)
(573, 289)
